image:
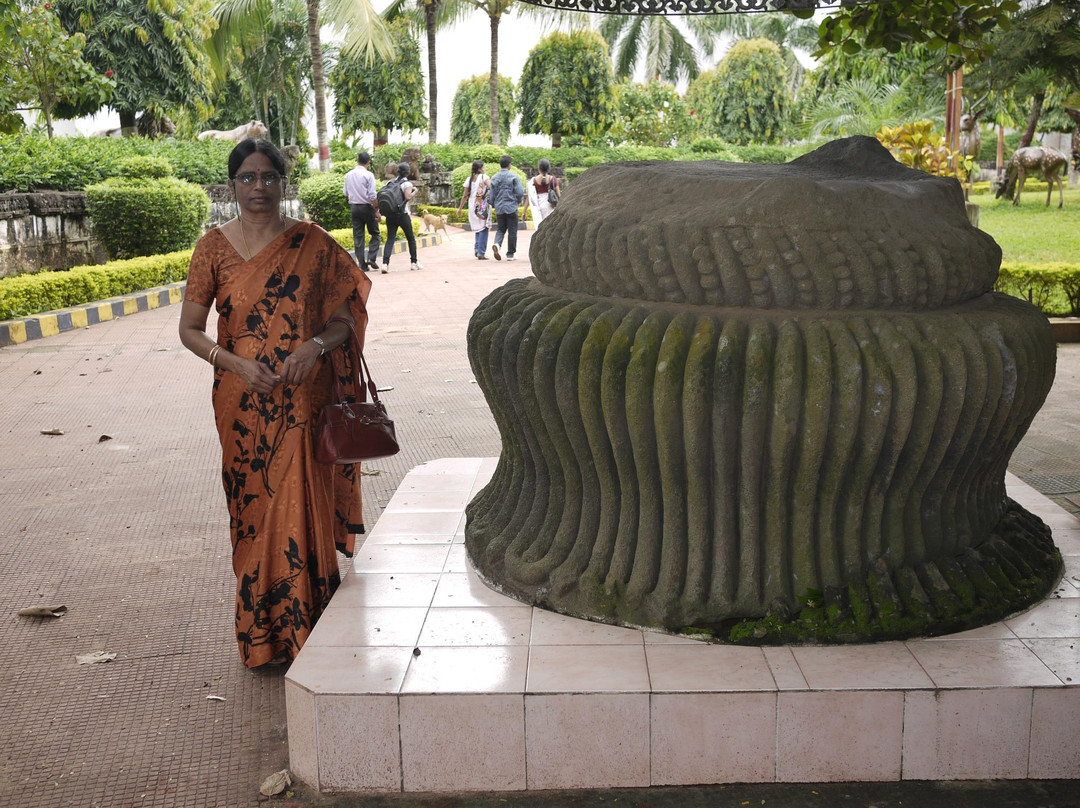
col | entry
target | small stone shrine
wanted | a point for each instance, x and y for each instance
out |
(764, 403)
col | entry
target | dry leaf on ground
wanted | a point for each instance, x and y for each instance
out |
(275, 783)
(42, 611)
(215, 698)
(52, 432)
(94, 656)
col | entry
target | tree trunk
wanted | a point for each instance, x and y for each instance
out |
(493, 82)
(556, 140)
(318, 84)
(1033, 119)
(433, 93)
(127, 123)
(1001, 153)
(380, 137)
(1074, 114)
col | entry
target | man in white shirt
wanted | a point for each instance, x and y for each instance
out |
(360, 191)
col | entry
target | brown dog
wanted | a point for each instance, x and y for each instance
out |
(433, 223)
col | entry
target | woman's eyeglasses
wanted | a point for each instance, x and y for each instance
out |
(269, 179)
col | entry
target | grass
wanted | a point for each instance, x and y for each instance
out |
(1032, 233)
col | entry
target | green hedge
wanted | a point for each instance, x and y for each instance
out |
(25, 295)
(1052, 288)
(146, 216)
(451, 155)
(343, 235)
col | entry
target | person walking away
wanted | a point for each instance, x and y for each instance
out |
(285, 293)
(401, 218)
(507, 194)
(476, 193)
(360, 191)
(541, 189)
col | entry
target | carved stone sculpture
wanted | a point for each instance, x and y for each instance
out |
(1049, 162)
(774, 403)
(970, 136)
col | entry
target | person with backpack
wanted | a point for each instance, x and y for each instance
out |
(506, 195)
(475, 195)
(393, 199)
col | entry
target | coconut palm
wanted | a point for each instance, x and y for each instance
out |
(365, 34)
(430, 15)
(661, 46)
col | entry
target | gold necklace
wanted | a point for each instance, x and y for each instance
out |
(247, 249)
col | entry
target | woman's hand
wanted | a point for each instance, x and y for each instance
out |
(298, 365)
(258, 377)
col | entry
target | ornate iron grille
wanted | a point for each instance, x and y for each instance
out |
(687, 7)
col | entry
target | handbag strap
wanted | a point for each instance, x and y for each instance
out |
(364, 386)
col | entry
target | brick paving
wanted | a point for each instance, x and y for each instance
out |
(122, 520)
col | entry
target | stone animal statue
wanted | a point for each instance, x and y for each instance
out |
(291, 153)
(412, 156)
(1050, 162)
(970, 137)
(245, 130)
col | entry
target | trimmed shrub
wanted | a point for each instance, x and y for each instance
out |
(343, 235)
(144, 168)
(323, 197)
(146, 217)
(25, 295)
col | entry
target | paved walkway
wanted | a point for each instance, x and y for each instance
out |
(121, 519)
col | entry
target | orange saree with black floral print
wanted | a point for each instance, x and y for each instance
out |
(287, 512)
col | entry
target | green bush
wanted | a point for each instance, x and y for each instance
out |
(988, 147)
(25, 295)
(461, 174)
(144, 168)
(1054, 288)
(33, 162)
(146, 217)
(344, 237)
(323, 197)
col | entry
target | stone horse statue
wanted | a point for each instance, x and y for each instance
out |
(1049, 161)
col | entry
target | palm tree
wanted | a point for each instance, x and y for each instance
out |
(431, 15)
(862, 107)
(657, 42)
(365, 34)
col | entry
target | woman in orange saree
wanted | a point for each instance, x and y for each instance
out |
(276, 282)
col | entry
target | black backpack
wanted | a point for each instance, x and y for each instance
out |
(391, 197)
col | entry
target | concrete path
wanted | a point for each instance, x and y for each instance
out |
(122, 520)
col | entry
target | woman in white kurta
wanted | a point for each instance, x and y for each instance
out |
(475, 193)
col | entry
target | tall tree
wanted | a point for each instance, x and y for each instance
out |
(429, 16)
(154, 49)
(659, 45)
(566, 87)
(470, 116)
(495, 9)
(365, 35)
(745, 99)
(383, 95)
(266, 57)
(41, 66)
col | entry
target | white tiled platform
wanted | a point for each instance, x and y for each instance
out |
(503, 696)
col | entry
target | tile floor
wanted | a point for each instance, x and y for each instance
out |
(421, 678)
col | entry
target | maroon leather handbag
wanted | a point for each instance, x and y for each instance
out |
(351, 431)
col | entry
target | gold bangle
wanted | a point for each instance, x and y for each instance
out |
(212, 358)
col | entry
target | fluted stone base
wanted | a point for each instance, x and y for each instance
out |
(768, 475)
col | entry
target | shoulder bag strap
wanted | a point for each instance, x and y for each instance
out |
(364, 386)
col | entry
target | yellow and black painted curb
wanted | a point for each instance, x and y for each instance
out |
(50, 323)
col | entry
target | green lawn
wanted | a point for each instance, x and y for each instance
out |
(1032, 232)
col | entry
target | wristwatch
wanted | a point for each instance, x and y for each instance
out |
(322, 345)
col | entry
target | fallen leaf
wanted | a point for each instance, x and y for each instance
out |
(42, 611)
(384, 389)
(104, 438)
(52, 432)
(215, 698)
(94, 656)
(374, 473)
(275, 783)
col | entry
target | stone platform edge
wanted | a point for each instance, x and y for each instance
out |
(377, 703)
(51, 323)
